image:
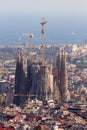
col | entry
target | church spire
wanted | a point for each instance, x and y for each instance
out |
(19, 79)
(24, 57)
(62, 75)
(18, 55)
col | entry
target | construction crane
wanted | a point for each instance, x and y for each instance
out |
(29, 35)
(43, 44)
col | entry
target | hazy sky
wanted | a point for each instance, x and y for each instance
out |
(63, 17)
(44, 7)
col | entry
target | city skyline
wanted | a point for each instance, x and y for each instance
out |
(43, 79)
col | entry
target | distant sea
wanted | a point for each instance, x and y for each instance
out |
(59, 29)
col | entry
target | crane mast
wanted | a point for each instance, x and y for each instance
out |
(30, 44)
(30, 54)
(43, 44)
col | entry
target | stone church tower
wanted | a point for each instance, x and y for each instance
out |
(62, 76)
(19, 79)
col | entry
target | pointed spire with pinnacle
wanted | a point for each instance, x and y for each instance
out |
(24, 57)
(19, 79)
(18, 55)
(62, 75)
(59, 63)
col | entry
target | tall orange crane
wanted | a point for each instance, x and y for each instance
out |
(43, 44)
(30, 43)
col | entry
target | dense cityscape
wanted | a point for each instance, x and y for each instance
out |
(43, 86)
(43, 94)
(43, 65)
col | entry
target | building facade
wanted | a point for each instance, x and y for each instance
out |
(41, 82)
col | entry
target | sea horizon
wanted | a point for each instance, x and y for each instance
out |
(59, 29)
